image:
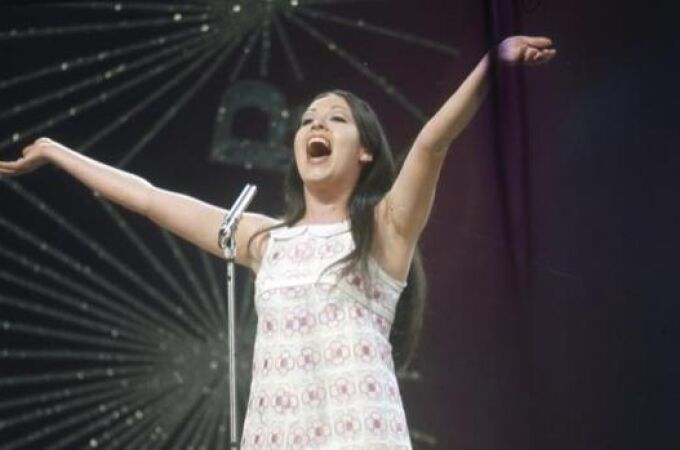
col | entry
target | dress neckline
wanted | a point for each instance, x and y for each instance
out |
(316, 229)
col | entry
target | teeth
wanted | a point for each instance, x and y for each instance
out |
(319, 139)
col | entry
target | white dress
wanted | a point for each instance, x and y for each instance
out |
(323, 374)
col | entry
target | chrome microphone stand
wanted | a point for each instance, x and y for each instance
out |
(227, 242)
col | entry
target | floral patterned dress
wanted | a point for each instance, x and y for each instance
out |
(323, 374)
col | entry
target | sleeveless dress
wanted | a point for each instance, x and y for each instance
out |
(323, 374)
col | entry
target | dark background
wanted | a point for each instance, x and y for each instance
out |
(551, 252)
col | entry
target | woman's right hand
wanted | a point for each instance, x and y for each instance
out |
(33, 157)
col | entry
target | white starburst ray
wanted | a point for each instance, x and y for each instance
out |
(216, 295)
(245, 54)
(59, 408)
(126, 439)
(389, 89)
(380, 30)
(55, 334)
(188, 270)
(86, 292)
(101, 56)
(105, 76)
(125, 117)
(135, 398)
(63, 317)
(117, 434)
(288, 49)
(152, 416)
(196, 416)
(172, 111)
(210, 432)
(65, 393)
(266, 42)
(125, 418)
(106, 256)
(223, 417)
(77, 376)
(176, 20)
(113, 325)
(208, 407)
(124, 424)
(185, 299)
(131, 436)
(82, 269)
(99, 99)
(79, 355)
(130, 6)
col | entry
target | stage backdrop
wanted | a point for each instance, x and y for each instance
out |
(551, 320)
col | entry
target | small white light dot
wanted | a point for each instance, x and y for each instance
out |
(236, 8)
(205, 28)
(177, 17)
(64, 66)
(117, 7)
(15, 137)
(294, 2)
(93, 443)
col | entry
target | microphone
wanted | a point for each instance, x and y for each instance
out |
(231, 219)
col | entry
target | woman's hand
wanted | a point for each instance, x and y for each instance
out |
(528, 50)
(33, 157)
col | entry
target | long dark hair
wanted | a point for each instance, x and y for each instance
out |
(375, 180)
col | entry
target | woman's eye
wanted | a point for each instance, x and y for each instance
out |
(338, 119)
(306, 121)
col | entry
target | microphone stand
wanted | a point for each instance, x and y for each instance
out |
(227, 242)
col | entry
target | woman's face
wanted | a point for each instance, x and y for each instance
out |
(328, 150)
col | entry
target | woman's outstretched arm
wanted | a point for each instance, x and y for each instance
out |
(196, 221)
(404, 211)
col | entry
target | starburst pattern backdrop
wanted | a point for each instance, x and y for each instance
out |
(113, 335)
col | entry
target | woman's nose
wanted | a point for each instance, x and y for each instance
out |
(317, 123)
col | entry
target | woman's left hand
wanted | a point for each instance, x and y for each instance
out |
(528, 50)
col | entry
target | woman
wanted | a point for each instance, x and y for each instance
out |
(330, 276)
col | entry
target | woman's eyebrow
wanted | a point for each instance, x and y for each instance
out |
(338, 107)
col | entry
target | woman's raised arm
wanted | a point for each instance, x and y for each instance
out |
(404, 211)
(191, 219)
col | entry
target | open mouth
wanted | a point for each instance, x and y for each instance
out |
(318, 148)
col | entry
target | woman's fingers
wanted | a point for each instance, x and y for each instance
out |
(10, 167)
(538, 41)
(30, 160)
(540, 56)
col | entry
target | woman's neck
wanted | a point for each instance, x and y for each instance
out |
(324, 207)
